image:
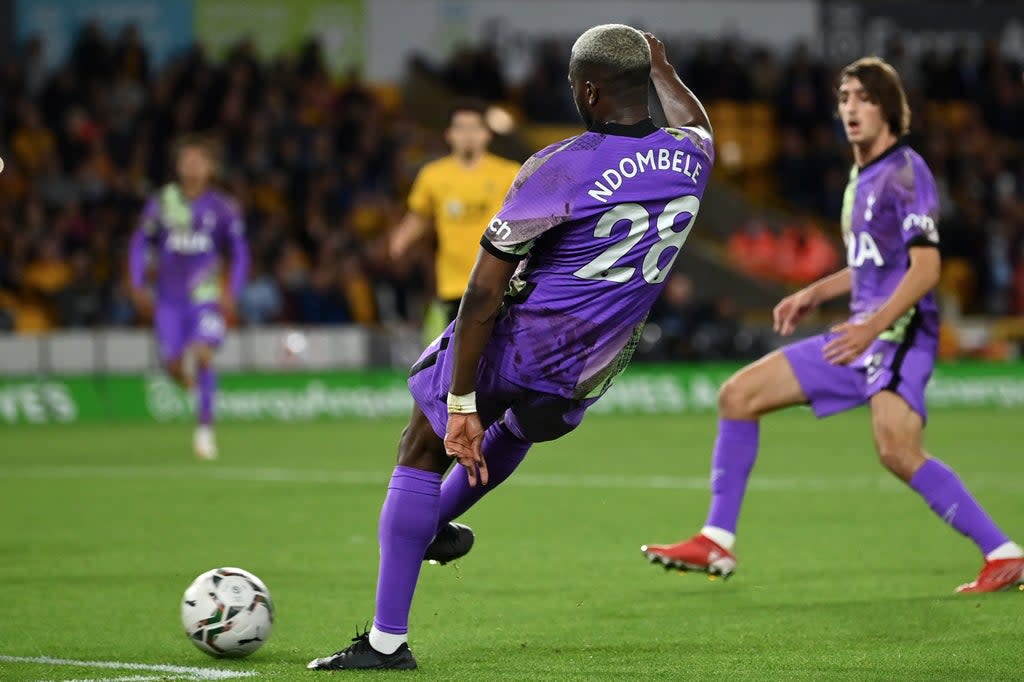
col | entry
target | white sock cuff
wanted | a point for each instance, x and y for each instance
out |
(385, 642)
(1007, 550)
(720, 536)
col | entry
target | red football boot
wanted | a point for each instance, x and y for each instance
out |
(699, 553)
(996, 576)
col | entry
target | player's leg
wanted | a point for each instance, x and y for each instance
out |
(169, 325)
(205, 444)
(758, 389)
(504, 452)
(206, 333)
(533, 418)
(408, 521)
(897, 430)
(175, 369)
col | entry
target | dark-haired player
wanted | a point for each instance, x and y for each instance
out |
(186, 229)
(882, 356)
(569, 269)
(454, 196)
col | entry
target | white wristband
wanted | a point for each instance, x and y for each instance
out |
(462, 404)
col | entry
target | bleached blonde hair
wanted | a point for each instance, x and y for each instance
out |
(617, 48)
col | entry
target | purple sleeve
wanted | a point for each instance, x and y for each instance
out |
(142, 240)
(541, 197)
(916, 203)
(239, 248)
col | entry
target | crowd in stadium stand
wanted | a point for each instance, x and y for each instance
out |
(321, 166)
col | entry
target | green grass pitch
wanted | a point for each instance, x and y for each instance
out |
(843, 574)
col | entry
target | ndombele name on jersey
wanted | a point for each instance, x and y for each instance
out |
(674, 160)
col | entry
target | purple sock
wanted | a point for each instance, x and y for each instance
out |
(945, 493)
(207, 385)
(735, 452)
(408, 520)
(503, 452)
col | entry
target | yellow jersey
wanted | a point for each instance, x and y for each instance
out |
(460, 201)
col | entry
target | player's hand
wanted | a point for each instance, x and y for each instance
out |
(463, 440)
(790, 310)
(850, 341)
(659, 59)
(397, 245)
(142, 300)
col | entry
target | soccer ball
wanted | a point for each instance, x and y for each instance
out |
(227, 612)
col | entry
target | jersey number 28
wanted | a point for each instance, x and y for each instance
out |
(602, 268)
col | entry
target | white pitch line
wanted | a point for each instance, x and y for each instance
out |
(179, 671)
(130, 678)
(778, 483)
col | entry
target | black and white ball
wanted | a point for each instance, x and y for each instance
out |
(227, 612)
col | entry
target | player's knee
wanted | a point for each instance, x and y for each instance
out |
(204, 357)
(900, 458)
(736, 399)
(421, 448)
(175, 368)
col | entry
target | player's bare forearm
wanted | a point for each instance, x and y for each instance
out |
(921, 277)
(681, 106)
(479, 309)
(832, 286)
(412, 228)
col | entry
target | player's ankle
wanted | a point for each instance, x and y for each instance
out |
(720, 536)
(1007, 550)
(386, 642)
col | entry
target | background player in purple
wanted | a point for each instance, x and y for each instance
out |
(185, 229)
(882, 356)
(569, 269)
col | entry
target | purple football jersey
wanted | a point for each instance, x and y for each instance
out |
(597, 221)
(186, 240)
(890, 205)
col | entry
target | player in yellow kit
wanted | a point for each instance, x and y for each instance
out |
(455, 196)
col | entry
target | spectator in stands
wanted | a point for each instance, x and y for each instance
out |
(79, 302)
(753, 248)
(260, 302)
(33, 143)
(313, 157)
(804, 253)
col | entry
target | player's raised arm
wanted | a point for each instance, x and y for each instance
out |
(681, 106)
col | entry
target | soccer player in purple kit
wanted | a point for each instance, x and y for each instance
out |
(185, 230)
(883, 355)
(569, 269)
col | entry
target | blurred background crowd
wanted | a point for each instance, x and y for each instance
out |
(322, 165)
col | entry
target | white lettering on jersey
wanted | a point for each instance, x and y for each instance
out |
(189, 242)
(860, 247)
(924, 223)
(869, 212)
(639, 163)
(500, 229)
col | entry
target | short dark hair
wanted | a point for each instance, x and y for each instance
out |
(209, 145)
(473, 106)
(884, 88)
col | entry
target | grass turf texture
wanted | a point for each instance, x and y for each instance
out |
(843, 574)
